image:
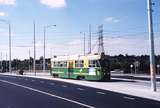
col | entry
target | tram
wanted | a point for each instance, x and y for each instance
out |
(88, 67)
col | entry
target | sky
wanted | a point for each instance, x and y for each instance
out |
(125, 26)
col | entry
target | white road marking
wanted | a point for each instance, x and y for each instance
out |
(49, 94)
(130, 98)
(52, 84)
(9, 77)
(80, 89)
(101, 93)
(64, 86)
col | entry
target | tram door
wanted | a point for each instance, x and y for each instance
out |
(70, 69)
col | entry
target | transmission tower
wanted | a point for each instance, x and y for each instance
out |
(100, 40)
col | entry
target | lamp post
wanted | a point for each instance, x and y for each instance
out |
(44, 47)
(9, 33)
(158, 66)
(131, 66)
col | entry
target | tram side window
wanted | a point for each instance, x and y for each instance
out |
(76, 64)
(52, 64)
(92, 63)
(98, 63)
(55, 64)
(62, 64)
(65, 64)
(79, 63)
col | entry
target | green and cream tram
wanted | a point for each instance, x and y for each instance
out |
(89, 67)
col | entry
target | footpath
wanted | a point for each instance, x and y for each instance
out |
(126, 86)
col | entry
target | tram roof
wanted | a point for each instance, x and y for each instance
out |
(76, 57)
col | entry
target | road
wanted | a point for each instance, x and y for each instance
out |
(25, 92)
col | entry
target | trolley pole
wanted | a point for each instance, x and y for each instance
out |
(151, 43)
(84, 43)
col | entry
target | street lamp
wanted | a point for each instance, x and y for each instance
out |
(9, 33)
(131, 66)
(44, 47)
(158, 66)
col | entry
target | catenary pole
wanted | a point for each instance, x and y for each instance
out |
(34, 37)
(10, 65)
(151, 43)
(84, 44)
(6, 63)
(44, 51)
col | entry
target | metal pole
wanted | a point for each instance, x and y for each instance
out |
(131, 66)
(84, 45)
(50, 52)
(44, 58)
(29, 61)
(44, 51)
(34, 62)
(158, 69)
(89, 44)
(6, 63)
(10, 67)
(151, 42)
(17, 65)
(1, 63)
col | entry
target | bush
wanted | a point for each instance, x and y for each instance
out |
(21, 72)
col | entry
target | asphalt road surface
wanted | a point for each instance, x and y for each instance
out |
(25, 92)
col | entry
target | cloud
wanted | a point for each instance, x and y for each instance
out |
(131, 46)
(54, 3)
(2, 14)
(7, 2)
(111, 20)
